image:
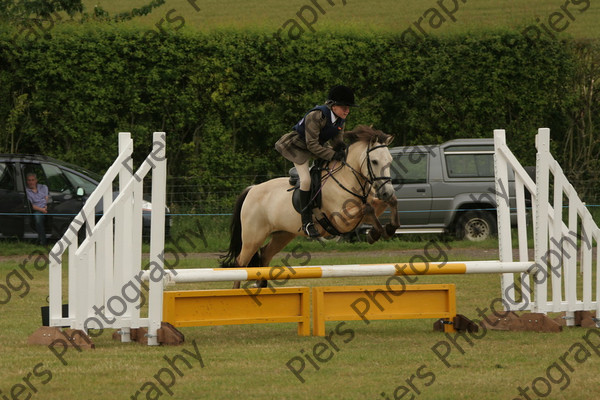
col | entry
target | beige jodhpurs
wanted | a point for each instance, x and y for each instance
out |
(304, 175)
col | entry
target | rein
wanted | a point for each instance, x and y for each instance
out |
(369, 181)
(365, 188)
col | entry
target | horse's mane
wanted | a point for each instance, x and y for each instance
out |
(364, 133)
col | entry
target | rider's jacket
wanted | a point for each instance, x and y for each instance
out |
(329, 131)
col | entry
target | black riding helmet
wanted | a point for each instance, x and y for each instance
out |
(342, 96)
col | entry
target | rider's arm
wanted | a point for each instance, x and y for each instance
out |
(315, 121)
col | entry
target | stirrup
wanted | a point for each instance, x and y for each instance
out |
(310, 230)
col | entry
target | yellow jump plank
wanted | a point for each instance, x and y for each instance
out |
(237, 306)
(374, 302)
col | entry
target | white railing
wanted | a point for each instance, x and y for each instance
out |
(103, 275)
(558, 246)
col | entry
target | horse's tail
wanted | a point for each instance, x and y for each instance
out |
(235, 229)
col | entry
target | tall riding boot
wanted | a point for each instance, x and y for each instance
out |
(307, 225)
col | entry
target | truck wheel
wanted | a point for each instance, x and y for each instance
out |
(475, 226)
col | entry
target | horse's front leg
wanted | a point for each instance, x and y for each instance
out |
(390, 227)
(370, 217)
(379, 207)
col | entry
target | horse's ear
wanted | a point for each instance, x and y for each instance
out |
(389, 140)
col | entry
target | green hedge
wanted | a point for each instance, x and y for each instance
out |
(224, 98)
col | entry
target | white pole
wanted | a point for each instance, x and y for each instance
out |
(541, 226)
(341, 271)
(157, 236)
(555, 252)
(123, 233)
(503, 218)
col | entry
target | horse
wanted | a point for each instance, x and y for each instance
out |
(353, 191)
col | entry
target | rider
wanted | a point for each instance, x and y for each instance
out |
(322, 124)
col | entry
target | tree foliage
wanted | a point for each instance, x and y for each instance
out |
(580, 147)
(18, 10)
(23, 11)
(225, 97)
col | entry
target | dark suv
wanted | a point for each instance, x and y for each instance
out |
(69, 186)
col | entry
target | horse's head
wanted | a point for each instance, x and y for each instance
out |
(368, 153)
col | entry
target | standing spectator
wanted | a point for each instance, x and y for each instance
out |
(37, 194)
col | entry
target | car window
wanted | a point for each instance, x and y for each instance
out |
(409, 167)
(470, 165)
(79, 181)
(7, 177)
(56, 180)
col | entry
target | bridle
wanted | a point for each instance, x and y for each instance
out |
(372, 178)
(363, 181)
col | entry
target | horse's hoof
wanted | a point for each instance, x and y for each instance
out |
(390, 230)
(260, 284)
(373, 236)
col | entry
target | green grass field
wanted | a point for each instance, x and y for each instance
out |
(250, 361)
(381, 360)
(578, 17)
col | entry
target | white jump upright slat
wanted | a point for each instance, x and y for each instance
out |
(136, 249)
(521, 218)
(570, 248)
(503, 220)
(555, 249)
(122, 249)
(586, 261)
(597, 238)
(542, 180)
(523, 251)
(157, 240)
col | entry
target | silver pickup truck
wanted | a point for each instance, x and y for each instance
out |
(447, 188)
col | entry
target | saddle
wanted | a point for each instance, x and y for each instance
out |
(315, 185)
(315, 195)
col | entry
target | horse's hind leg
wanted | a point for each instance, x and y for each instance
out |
(248, 253)
(252, 238)
(278, 241)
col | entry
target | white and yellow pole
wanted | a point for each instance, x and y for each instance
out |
(339, 271)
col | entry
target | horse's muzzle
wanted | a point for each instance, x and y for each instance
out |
(385, 192)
